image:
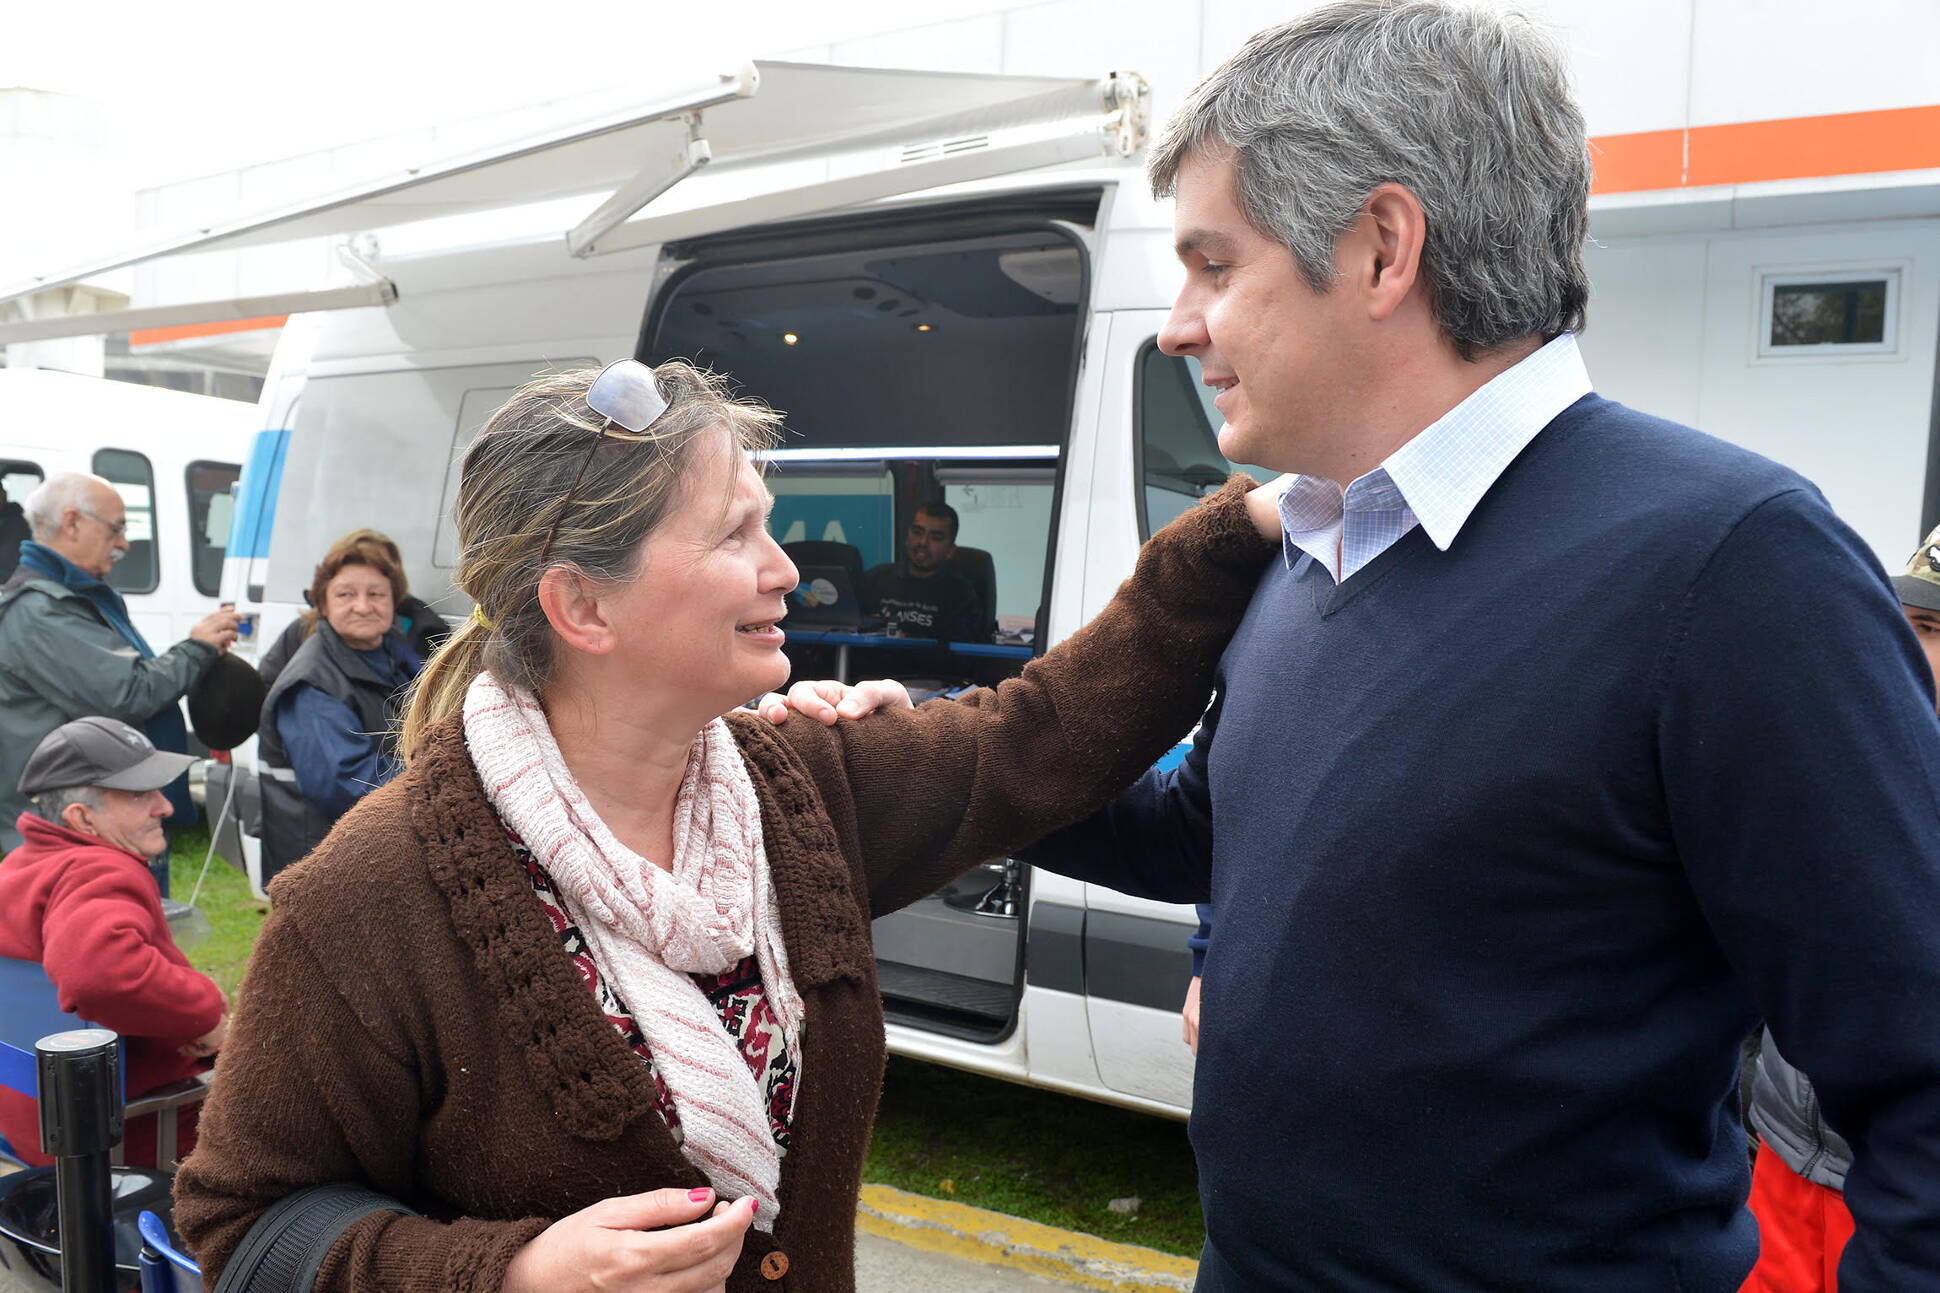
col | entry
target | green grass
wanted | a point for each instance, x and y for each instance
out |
(1050, 1158)
(1028, 1153)
(234, 915)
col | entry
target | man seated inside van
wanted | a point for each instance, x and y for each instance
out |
(923, 596)
(77, 897)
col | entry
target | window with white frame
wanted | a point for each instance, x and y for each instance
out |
(1829, 313)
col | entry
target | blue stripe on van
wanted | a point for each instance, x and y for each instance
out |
(256, 500)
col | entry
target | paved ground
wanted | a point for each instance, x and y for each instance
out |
(885, 1266)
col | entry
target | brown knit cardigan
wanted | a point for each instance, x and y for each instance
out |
(410, 1023)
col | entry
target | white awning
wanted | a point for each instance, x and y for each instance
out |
(949, 126)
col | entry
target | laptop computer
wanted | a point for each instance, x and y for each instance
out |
(825, 598)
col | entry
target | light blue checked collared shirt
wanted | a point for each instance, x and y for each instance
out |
(1437, 478)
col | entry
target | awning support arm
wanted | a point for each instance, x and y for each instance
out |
(381, 292)
(583, 239)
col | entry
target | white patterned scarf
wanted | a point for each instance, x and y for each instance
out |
(650, 930)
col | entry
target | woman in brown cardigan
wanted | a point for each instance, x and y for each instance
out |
(590, 985)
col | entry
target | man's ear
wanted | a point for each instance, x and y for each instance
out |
(79, 819)
(573, 607)
(1383, 249)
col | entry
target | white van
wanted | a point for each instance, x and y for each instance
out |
(173, 457)
(953, 286)
(952, 348)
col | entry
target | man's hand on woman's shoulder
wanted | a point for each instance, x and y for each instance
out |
(827, 700)
(1263, 505)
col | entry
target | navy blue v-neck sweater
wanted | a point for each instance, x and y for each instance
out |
(1509, 846)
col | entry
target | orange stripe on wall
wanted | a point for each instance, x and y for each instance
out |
(1746, 152)
(181, 332)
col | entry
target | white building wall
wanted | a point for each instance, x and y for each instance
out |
(1757, 60)
(1644, 65)
(1674, 330)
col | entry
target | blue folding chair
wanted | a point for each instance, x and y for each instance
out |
(164, 1267)
(76, 1075)
(30, 1008)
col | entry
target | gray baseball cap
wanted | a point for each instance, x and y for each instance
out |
(99, 752)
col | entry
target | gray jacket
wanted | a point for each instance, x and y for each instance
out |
(59, 661)
(1786, 1115)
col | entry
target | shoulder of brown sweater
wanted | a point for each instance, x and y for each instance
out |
(1227, 524)
(798, 764)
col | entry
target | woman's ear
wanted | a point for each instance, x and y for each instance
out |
(573, 607)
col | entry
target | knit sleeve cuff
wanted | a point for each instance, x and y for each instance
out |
(390, 1251)
(481, 1250)
(1223, 526)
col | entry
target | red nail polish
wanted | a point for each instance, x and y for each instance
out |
(754, 1206)
(698, 1196)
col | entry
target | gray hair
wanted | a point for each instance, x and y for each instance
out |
(50, 804)
(1467, 108)
(53, 497)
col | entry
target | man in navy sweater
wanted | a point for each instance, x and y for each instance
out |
(1564, 745)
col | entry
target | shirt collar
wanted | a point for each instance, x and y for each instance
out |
(1445, 471)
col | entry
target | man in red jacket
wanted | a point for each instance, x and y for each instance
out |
(77, 897)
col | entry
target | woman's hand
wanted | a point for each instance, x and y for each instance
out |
(827, 700)
(1263, 505)
(660, 1242)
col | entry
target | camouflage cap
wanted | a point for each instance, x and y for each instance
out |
(1920, 585)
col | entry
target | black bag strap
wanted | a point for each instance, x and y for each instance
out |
(285, 1248)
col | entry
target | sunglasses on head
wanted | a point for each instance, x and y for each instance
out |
(628, 401)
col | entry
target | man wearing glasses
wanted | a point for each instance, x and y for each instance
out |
(68, 648)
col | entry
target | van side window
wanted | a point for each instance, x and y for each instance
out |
(139, 571)
(18, 478)
(1178, 439)
(212, 505)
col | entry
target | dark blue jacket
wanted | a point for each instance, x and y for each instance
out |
(328, 738)
(1515, 842)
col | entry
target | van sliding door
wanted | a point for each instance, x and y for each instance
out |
(926, 362)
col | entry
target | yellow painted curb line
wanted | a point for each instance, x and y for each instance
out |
(980, 1235)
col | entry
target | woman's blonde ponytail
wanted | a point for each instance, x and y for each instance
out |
(439, 691)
